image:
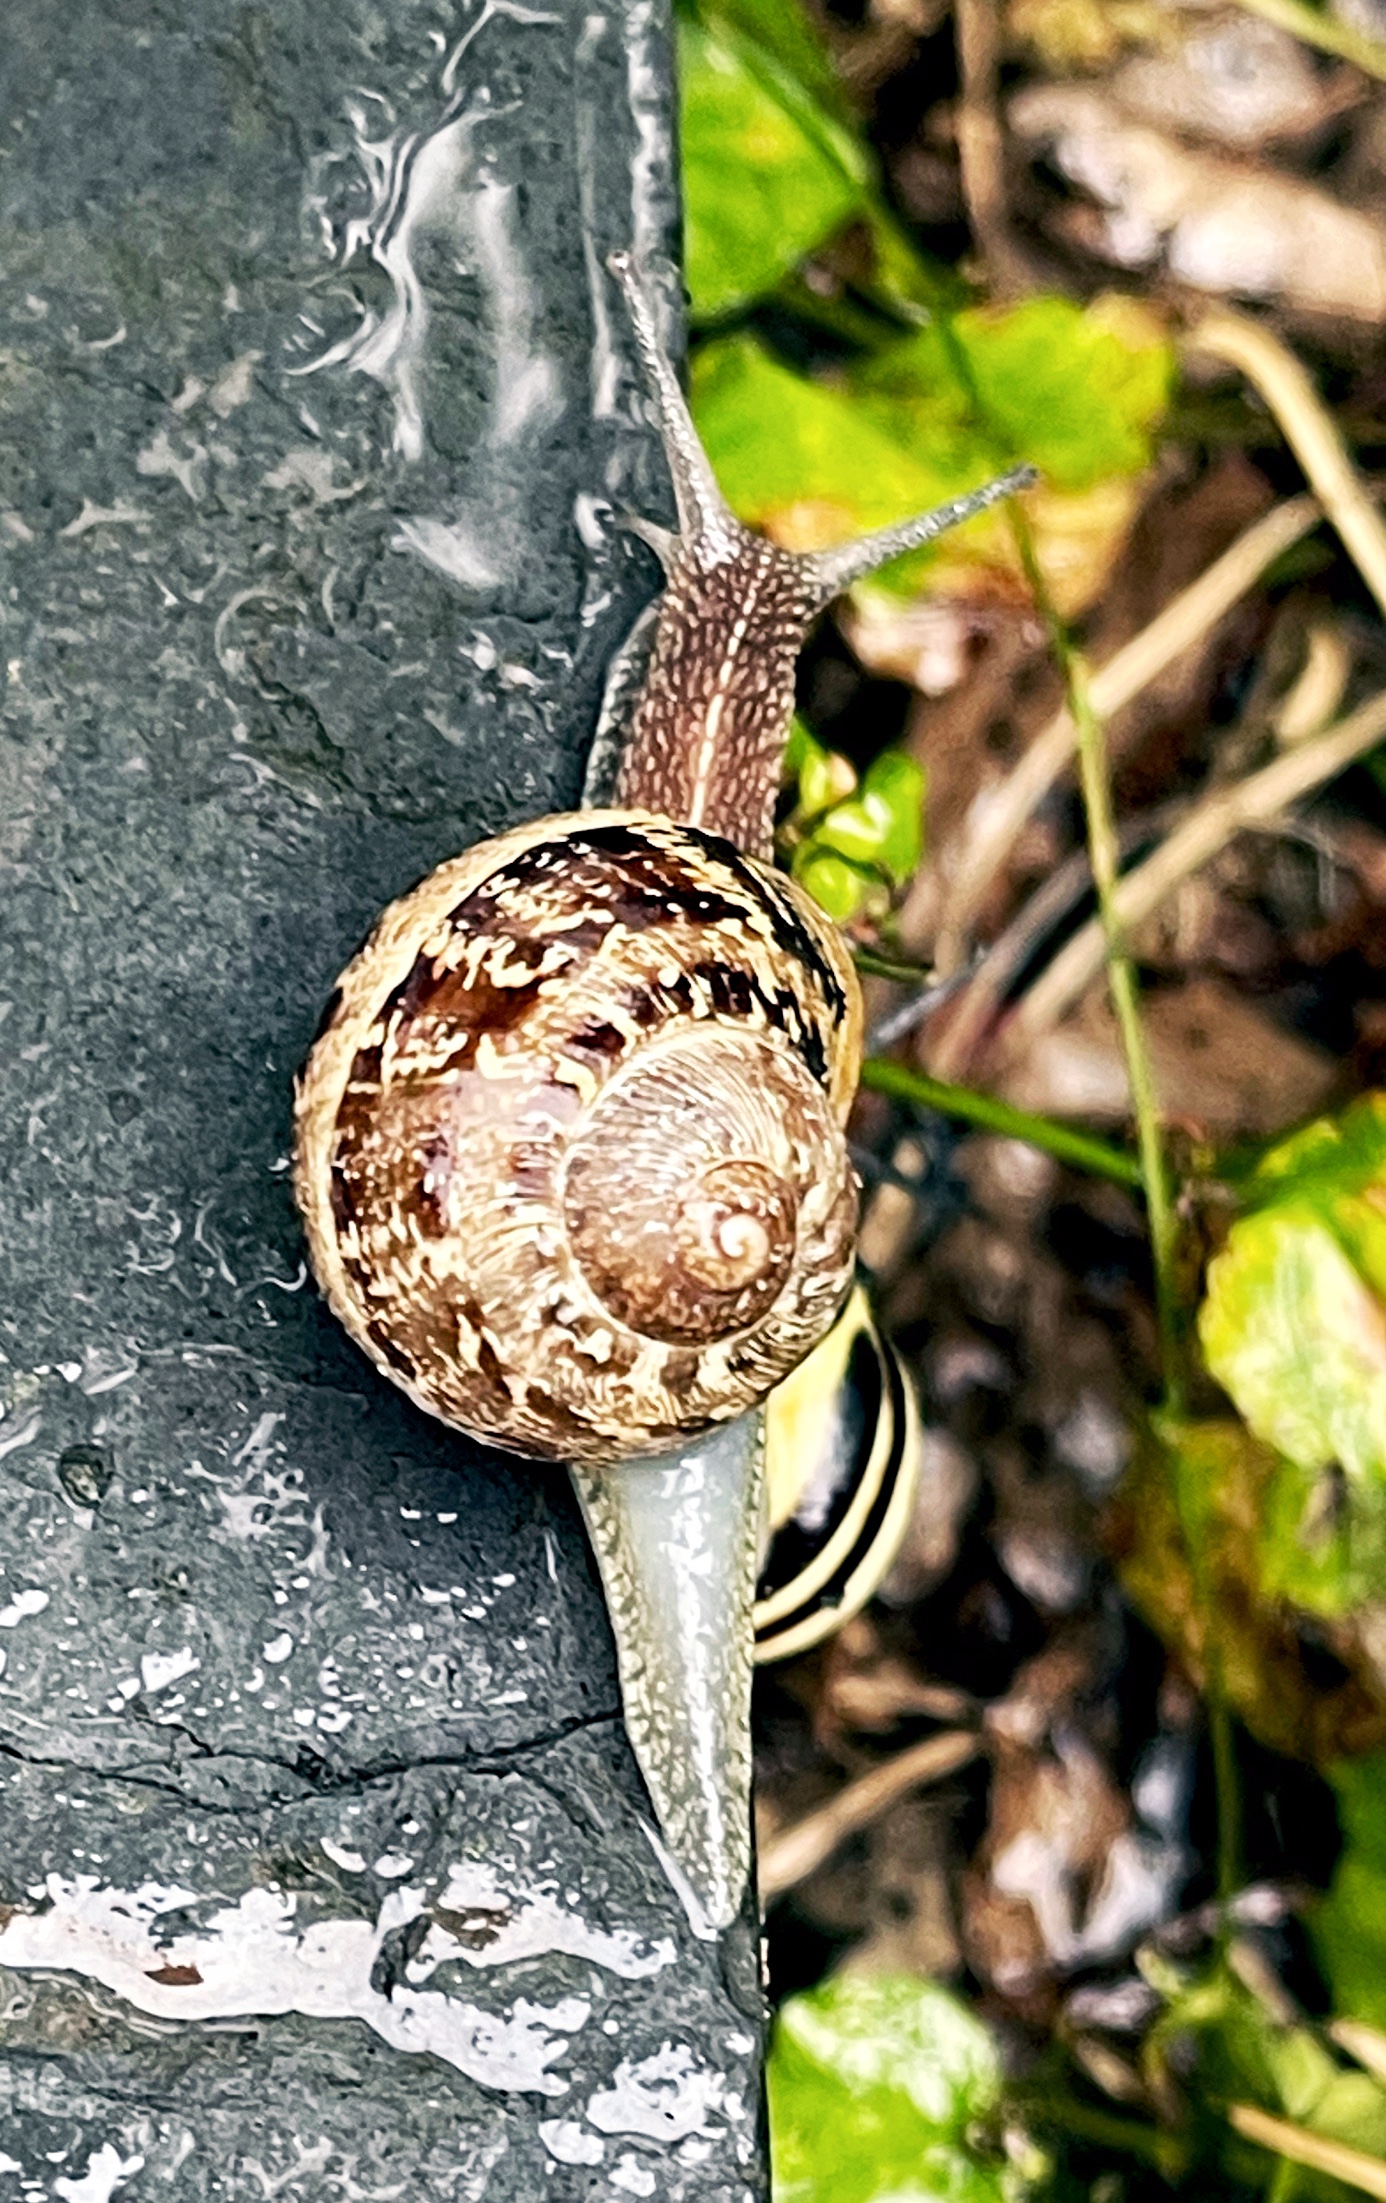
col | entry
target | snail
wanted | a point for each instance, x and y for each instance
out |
(570, 1143)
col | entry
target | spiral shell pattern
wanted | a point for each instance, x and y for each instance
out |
(570, 1145)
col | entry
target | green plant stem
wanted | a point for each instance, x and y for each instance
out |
(1318, 28)
(1167, 2153)
(1104, 857)
(877, 965)
(1084, 1150)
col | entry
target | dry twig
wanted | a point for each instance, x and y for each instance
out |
(1366, 2044)
(1309, 429)
(981, 144)
(1302, 2147)
(799, 1851)
(1224, 812)
(1112, 686)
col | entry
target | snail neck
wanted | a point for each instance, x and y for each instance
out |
(704, 743)
(706, 738)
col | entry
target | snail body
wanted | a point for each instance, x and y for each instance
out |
(844, 1452)
(570, 1146)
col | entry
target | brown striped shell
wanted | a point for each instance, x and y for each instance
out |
(570, 1144)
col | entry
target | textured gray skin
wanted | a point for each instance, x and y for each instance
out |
(242, 713)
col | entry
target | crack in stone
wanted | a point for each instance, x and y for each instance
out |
(320, 1781)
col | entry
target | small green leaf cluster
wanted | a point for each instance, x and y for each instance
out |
(852, 842)
(1214, 2027)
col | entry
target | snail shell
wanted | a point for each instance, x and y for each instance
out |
(570, 1146)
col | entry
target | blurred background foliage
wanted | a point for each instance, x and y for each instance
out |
(925, 243)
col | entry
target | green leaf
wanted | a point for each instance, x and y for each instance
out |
(1293, 1332)
(761, 190)
(801, 752)
(804, 460)
(898, 784)
(815, 462)
(1211, 1489)
(856, 829)
(876, 2085)
(785, 35)
(1076, 390)
(842, 888)
(820, 776)
(777, 46)
(1226, 2046)
(1293, 1327)
(1242, 2051)
(1349, 1927)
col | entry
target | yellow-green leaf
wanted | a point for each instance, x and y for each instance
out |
(1076, 390)
(1294, 1322)
(804, 460)
(1293, 1326)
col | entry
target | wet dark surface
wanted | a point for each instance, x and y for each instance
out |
(325, 1849)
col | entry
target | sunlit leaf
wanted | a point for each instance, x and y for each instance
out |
(800, 458)
(1213, 1487)
(804, 461)
(878, 2085)
(813, 462)
(1294, 1328)
(760, 188)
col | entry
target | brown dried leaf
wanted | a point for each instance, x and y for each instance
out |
(1221, 1065)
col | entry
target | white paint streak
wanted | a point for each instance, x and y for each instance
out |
(570, 2143)
(106, 2171)
(21, 1606)
(254, 1959)
(350, 1862)
(23, 1436)
(501, 1929)
(235, 384)
(661, 2098)
(159, 1669)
